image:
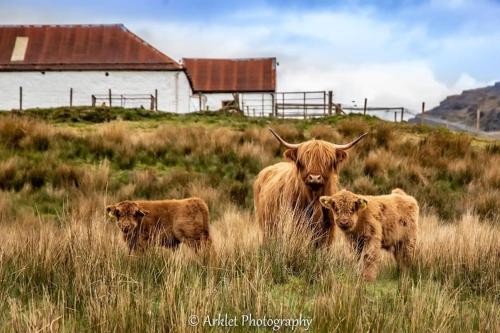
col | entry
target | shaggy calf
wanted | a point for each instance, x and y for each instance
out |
(372, 223)
(164, 222)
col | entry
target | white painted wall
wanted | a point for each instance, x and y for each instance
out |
(250, 101)
(52, 88)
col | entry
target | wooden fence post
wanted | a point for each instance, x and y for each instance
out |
(395, 116)
(283, 105)
(93, 101)
(253, 112)
(262, 102)
(70, 97)
(152, 104)
(248, 111)
(21, 98)
(338, 109)
(422, 120)
(305, 107)
(324, 103)
(365, 106)
(402, 114)
(274, 110)
(156, 99)
(330, 102)
(110, 99)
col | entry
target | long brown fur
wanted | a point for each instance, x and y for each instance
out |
(281, 187)
(373, 223)
(163, 222)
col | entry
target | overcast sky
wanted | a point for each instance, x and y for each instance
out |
(392, 52)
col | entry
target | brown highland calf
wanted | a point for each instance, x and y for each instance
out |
(372, 223)
(296, 185)
(164, 222)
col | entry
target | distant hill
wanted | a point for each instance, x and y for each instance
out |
(462, 108)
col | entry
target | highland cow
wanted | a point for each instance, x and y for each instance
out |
(296, 185)
(164, 222)
(372, 223)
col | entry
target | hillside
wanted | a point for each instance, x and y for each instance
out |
(462, 108)
(64, 266)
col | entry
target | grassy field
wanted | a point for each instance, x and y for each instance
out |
(64, 267)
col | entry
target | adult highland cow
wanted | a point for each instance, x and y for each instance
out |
(296, 185)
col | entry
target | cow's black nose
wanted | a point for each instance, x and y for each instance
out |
(344, 224)
(314, 179)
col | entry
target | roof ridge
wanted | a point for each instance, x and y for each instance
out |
(98, 44)
(149, 45)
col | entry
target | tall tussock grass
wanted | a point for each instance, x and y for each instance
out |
(81, 277)
(65, 268)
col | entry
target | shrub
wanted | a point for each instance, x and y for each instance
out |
(351, 127)
(486, 204)
(324, 132)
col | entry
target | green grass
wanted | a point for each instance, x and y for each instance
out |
(41, 155)
(64, 267)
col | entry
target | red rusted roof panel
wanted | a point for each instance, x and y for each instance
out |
(81, 47)
(232, 75)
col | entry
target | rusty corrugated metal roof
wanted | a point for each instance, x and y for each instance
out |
(80, 47)
(232, 75)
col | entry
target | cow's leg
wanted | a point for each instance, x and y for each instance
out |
(133, 242)
(370, 257)
(170, 242)
(357, 244)
(404, 253)
(199, 243)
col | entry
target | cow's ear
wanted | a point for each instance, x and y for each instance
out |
(291, 154)
(111, 210)
(361, 203)
(340, 155)
(327, 202)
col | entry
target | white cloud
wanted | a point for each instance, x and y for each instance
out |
(356, 57)
(405, 84)
(390, 60)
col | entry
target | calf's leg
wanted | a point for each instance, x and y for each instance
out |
(370, 259)
(404, 253)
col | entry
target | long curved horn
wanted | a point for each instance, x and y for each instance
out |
(350, 144)
(283, 142)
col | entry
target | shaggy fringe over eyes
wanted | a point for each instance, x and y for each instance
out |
(318, 155)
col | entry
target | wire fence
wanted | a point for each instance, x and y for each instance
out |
(294, 104)
(311, 104)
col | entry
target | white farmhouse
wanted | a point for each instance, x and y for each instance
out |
(216, 82)
(59, 65)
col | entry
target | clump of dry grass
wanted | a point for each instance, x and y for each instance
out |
(325, 132)
(458, 254)
(351, 127)
(111, 140)
(25, 133)
(254, 152)
(364, 185)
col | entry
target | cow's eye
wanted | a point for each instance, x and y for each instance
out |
(299, 164)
